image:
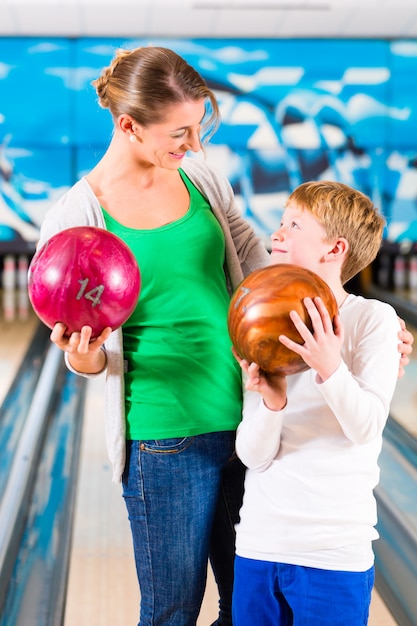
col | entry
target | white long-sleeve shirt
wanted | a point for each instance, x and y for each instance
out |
(312, 467)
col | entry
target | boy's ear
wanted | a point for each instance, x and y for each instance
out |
(338, 250)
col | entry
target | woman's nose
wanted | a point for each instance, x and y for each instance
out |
(193, 142)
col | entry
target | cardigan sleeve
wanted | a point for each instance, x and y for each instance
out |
(77, 207)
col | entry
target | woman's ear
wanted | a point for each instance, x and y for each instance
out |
(127, 125)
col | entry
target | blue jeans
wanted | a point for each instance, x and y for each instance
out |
(179, 517)
(276, 594)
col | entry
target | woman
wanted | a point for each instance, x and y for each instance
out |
(173, 387)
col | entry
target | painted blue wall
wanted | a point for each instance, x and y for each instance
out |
(292, 110)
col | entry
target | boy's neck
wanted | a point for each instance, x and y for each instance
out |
(339, 293)
(330, 273)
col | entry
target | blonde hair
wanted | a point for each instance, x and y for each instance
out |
(145, 81)
(344, 212)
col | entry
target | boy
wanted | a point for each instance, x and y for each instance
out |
(311, 442)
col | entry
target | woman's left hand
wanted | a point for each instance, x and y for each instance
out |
(405, 347)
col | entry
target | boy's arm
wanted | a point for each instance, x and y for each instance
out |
(356, 371)
(259, 434)
(360, 391)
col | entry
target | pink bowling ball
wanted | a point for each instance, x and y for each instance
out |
(84, 276)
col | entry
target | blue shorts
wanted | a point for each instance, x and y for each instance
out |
(276, 594)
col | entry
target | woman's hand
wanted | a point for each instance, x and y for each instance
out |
(405, 347)
(84, 354)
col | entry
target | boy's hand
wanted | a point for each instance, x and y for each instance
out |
(273, 389)
(321, 349)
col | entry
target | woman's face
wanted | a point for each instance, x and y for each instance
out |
(166, 143)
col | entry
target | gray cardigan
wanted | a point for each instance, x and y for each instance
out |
(245, 252)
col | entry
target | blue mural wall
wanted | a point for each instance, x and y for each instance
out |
(292, 110)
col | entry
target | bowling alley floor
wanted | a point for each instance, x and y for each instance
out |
(102, 588)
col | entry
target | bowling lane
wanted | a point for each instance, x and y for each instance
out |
(16, 335)
(102, 588)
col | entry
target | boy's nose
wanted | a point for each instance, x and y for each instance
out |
(278, 235)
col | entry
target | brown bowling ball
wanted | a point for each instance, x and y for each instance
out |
(259, 313)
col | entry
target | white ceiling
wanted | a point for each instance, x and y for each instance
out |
(210, 18)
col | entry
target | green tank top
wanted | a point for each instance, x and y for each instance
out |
(181, 378)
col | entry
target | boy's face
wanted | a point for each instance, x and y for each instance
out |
(300, 240)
